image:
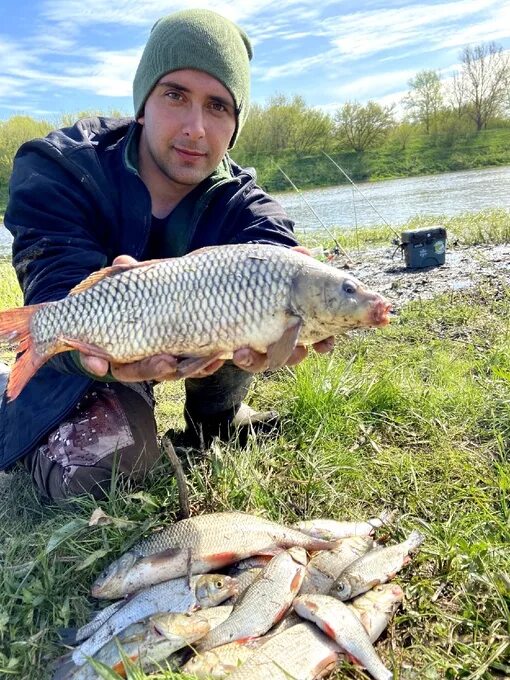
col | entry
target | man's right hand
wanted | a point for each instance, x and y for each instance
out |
(160, 367)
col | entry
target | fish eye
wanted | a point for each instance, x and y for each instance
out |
(349, 287)
(219, 583)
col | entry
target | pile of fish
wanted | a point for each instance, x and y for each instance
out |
(289, 602)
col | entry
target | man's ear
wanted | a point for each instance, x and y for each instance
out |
(140, 119)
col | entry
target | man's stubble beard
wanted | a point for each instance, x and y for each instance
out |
(173, 175)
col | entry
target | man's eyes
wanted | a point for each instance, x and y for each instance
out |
(217, 106)
(174, 94)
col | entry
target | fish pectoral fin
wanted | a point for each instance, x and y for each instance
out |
(164, 556)
(279, 352)
(190, 365)
(85, 347)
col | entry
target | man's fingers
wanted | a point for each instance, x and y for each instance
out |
(212, 368)
(297, 355)
(325, 346)
(302, 249)
(94, 365)
(124, 259)
(160, 367)
(249, 360)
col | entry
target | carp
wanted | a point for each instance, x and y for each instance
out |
(200, 307)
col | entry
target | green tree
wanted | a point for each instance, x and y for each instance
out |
(13, 132)
(284, 125)
(424, 99)
(402, 134)
(362, 127)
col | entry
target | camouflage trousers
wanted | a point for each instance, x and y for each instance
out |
(112, 430)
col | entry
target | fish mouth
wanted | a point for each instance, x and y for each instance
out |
(379, 312)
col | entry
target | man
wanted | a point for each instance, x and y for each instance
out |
(110, 190)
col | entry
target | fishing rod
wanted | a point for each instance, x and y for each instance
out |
(362, 194)
(338, 247)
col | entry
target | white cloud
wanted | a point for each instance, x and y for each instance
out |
(362, 34)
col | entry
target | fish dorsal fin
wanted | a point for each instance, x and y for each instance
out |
(106, 272)
(199, 251)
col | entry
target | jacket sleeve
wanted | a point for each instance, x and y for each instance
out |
(51, 217)
(261, 219)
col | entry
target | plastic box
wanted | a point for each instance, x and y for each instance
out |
(424, 247)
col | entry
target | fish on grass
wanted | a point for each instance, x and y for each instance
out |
(374, 567)
(374, 610)
(263, 603)
(200, 307)
(344, 627)
(198, 545)
(146, 643)
(178, 595)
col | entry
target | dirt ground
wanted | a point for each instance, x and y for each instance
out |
(384, 270)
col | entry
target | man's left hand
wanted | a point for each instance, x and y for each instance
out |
(254, 362)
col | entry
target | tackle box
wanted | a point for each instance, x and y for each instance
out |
(424, 247)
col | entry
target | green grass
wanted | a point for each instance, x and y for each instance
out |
(414, 417)
(468, 229)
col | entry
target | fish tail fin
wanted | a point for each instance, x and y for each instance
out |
(15, 327)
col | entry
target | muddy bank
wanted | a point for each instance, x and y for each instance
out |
(384, 270)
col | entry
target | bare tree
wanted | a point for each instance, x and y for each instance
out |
(361, 127)
(457, 95)
(425, 98)
(486, 78)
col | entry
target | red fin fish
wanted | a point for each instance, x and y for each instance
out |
(15, 327)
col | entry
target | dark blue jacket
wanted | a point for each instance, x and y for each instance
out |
(75, 204)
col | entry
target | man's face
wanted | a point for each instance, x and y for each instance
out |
(188, 121)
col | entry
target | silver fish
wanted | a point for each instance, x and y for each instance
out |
(202, 544)
(343, 626)
(172, 596)
(263, 604)
(375, 567)
(147, 643)
(376, 607)
(329, 529)
(327, 565)
(300, 653)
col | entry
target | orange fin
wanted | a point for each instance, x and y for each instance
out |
(15, 326)
(106, 272)
(279, 352)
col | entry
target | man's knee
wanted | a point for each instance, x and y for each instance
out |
(111, 432)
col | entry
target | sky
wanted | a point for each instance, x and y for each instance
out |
(66, 56)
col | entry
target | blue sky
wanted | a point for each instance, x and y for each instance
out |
(66, 56)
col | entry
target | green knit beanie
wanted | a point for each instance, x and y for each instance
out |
(197, 39)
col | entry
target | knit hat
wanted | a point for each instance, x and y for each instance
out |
(197, 39)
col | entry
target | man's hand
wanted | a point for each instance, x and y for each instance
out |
(164, 366)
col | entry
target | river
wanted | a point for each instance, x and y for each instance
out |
(394, 200)
(397, 200)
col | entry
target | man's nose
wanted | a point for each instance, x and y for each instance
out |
(193, 126)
